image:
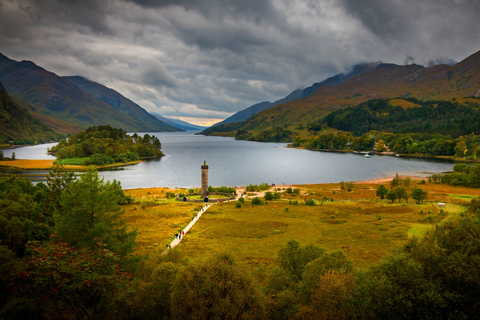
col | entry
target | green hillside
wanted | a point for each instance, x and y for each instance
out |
(18, 127)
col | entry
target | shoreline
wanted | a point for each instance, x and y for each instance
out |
(46, 165)
(43, 165)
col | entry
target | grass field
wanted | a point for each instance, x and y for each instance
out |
(358, 222)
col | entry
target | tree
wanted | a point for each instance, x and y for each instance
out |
(335, 261)
(401, 193)
(381, 191)
(75, 282)
(331, 299)
(89, 211)
(218, 288)
(419, 194)
(48, 203)
(380, 146)
(392, 196)
(293, 258)
(395, 181)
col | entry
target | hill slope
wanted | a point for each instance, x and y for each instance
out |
(56, 97)
(119, 102)
(17, 126)
(440, 82)
(297, 94)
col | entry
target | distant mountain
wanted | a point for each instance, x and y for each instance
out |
(56, 97)
(119, 102)
(298, 94)
(18, 127)
(386, 81)
(179, 124)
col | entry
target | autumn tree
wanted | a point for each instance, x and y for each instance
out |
(218, 288)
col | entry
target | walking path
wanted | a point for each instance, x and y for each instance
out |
(177, 240)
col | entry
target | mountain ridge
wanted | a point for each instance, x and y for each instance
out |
(298, 93)
(52, 96)
(386, 80)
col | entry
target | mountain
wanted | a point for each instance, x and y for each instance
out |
(57, 97)
(119, 102)
(179, 124)
(17, 126)
(439, 82)
(298, 94)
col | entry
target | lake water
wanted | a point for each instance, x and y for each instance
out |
(239, 163)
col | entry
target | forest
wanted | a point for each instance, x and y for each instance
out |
(100, 145)
(66, 252)
(436, 128)
(448, 118)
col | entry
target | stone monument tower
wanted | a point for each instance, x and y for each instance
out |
(204, 179)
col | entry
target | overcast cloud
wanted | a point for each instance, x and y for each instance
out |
(207, 59)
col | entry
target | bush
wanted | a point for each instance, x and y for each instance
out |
(294, 202)
(241, 200)
(257, 201)
(238, 204)
(310, 202)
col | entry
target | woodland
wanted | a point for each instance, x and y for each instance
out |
(100, 145)
(436, 128)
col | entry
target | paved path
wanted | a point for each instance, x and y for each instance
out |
(176, 241)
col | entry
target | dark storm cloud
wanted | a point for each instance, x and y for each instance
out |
(217, 57)
(441, 21)
(88, 15)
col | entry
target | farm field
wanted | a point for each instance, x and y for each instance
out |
(357, 222)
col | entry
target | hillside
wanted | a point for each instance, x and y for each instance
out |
(119, 102)
(55, 97)
(297, 94)
(440, 82)
(18, 127)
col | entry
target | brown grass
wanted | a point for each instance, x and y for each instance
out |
(359, 223)
(27, 164)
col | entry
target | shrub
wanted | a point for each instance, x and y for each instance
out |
(257, 201)
(241, 200)
(268, 196)
(310, 202)
(238, 204)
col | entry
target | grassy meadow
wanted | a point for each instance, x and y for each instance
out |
(357, 222)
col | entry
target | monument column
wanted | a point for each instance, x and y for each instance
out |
(204, 179)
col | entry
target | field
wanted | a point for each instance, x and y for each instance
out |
(358, 222)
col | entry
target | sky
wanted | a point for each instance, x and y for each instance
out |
(203, 60)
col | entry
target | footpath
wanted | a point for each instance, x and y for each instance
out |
(177, 240)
